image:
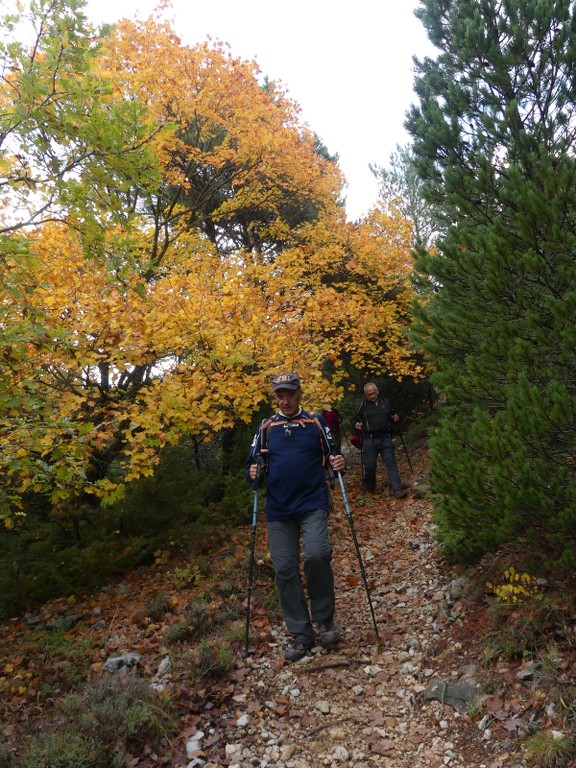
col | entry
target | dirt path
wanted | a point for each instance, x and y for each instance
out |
(365, 704)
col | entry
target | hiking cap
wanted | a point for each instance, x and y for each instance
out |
(285, 381)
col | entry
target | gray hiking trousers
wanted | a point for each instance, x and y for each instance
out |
(284, 541)
(372, 447)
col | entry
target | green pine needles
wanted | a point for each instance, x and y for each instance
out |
(493, 135)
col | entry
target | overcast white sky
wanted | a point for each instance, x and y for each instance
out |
(348, 65)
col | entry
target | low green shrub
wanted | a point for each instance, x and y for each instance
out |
(102, 726)
(158, 606)
(122, 708)
(548, 750)
(214, 660)
(64, 748)
(520, 630)
(195, 625)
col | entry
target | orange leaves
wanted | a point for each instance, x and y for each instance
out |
(224, 137)
(223, 259)
(354, 288)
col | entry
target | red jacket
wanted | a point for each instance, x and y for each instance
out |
(333, 419)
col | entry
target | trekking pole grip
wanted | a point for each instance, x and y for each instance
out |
(259, 465)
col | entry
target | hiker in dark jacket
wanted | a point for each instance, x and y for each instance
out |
(374, 418)
(294, 446)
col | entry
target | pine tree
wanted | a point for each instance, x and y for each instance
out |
(493, 139)
(400, 187)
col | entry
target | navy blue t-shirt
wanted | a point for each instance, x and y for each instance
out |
(294, 451)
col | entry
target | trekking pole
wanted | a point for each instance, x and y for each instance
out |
(252, 548)
(405, 451)
(359, 556)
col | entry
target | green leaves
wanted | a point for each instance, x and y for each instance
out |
(67, 145)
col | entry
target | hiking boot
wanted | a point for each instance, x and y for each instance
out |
(296, 651)
(400, 493)
(329, 634)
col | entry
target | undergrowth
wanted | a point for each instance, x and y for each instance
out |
(102, 726)
(74, 550)
(550, 750)
(531, 627)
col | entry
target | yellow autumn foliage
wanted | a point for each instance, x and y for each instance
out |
(172, 316)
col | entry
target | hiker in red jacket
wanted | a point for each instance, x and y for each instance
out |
(334, 421)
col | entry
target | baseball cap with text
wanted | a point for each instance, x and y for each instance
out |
(285, 381)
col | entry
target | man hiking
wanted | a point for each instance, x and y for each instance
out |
(373, 418)
(293, 447)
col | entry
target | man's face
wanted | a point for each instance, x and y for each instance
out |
(371, 394)
(288, 400)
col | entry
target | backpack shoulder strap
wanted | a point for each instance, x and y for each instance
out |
(323, 437)
(265, 427)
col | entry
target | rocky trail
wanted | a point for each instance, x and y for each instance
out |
(414, 697)
(398, 703)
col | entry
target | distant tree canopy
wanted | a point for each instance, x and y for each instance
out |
(401, 187)
(494, 134)
(171, 236)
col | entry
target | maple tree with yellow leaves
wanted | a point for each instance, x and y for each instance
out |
(196, 245)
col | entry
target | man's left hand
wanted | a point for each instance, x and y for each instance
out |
(337, 462)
